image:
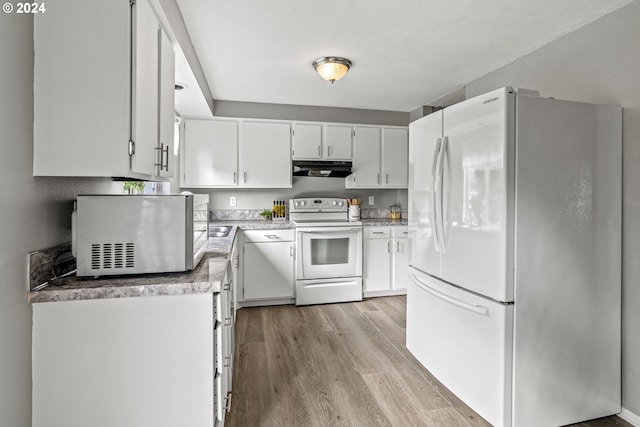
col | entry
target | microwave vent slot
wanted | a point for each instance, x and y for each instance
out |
(112, 256)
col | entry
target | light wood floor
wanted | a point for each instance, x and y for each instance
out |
(339, 365)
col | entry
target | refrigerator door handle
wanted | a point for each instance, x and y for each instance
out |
(433, 201)
(444, 150)
(478, 309)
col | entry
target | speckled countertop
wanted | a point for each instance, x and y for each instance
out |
(381, 222)
(206, 277)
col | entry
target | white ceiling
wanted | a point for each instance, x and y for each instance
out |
(405, 53)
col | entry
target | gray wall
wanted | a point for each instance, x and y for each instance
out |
(34, 214)
(304, 112)
(599, 63)
(302, 186)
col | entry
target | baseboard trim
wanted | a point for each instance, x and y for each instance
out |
(630, 417)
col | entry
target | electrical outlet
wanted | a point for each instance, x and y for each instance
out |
(372, 201)
(232, 201)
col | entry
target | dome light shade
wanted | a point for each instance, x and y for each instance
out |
(332, 68)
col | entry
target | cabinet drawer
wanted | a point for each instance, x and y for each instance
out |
(400, 231)
(377, 232)
(269, 235)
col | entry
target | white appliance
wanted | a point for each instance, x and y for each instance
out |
(329, 251)
(133, 234)
(515, 260)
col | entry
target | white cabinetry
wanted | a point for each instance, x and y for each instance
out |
(380, 158)
(126, 362)
(315, 141)
(236, 153)
(265, 154)
(224, 333)
(210, 153)
(102, 91)
(385, 260)
(307, 141)
(166, 155)
(268, 266)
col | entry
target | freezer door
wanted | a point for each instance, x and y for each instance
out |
(465, 341)
(425, 140)
(477, 181)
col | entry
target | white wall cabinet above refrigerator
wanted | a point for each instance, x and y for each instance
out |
(109, 115)
(380, 158)
(236, 153)
(321, 141)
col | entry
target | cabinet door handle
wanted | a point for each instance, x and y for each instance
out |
(234, 177)
(271, 236)
(387, 178)
(377, 232)
(226, 286)
(319, 151)
(227, 321)
(389, 246)
(227, 361)
(398, 246)
(244, 177)
(378, 179)
(159, 157)
(328, 150)
(292, 251)
(166, 152)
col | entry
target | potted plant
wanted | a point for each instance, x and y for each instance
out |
(133, 187)
(266, 214)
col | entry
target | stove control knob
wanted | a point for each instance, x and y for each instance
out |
(335, 203)
(302, 203)
(295, 204)
(340, 203)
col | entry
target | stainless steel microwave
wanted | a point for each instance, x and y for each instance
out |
(134, 234)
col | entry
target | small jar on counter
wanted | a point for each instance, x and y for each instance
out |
(395, 212)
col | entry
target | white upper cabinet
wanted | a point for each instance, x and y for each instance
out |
(209, 153)
(395, 157)
(321, 141)
(265, 154)
(380, 158)
(307, 141)
(99, 90)
(236, 153)
(167, 61)
(337, 142)
(145, 99)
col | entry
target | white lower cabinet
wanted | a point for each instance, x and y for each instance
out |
(225, 343)
(385, 260)
(126, 362)
(267, 265)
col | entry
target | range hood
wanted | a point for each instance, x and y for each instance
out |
(322, 168)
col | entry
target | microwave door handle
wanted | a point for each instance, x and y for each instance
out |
(433, 199)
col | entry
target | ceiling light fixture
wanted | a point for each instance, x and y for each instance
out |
(332, 68)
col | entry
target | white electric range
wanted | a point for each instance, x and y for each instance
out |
(329, 251)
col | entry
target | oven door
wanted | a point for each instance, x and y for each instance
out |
(326, 252)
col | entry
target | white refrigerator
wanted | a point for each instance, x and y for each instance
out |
(514, 295)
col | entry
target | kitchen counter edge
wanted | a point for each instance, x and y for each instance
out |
(205, 278)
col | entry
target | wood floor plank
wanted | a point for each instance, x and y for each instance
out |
(393, 399)
(249, 328)
(444, 417)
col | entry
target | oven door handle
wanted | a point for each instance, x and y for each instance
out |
(325, 230)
